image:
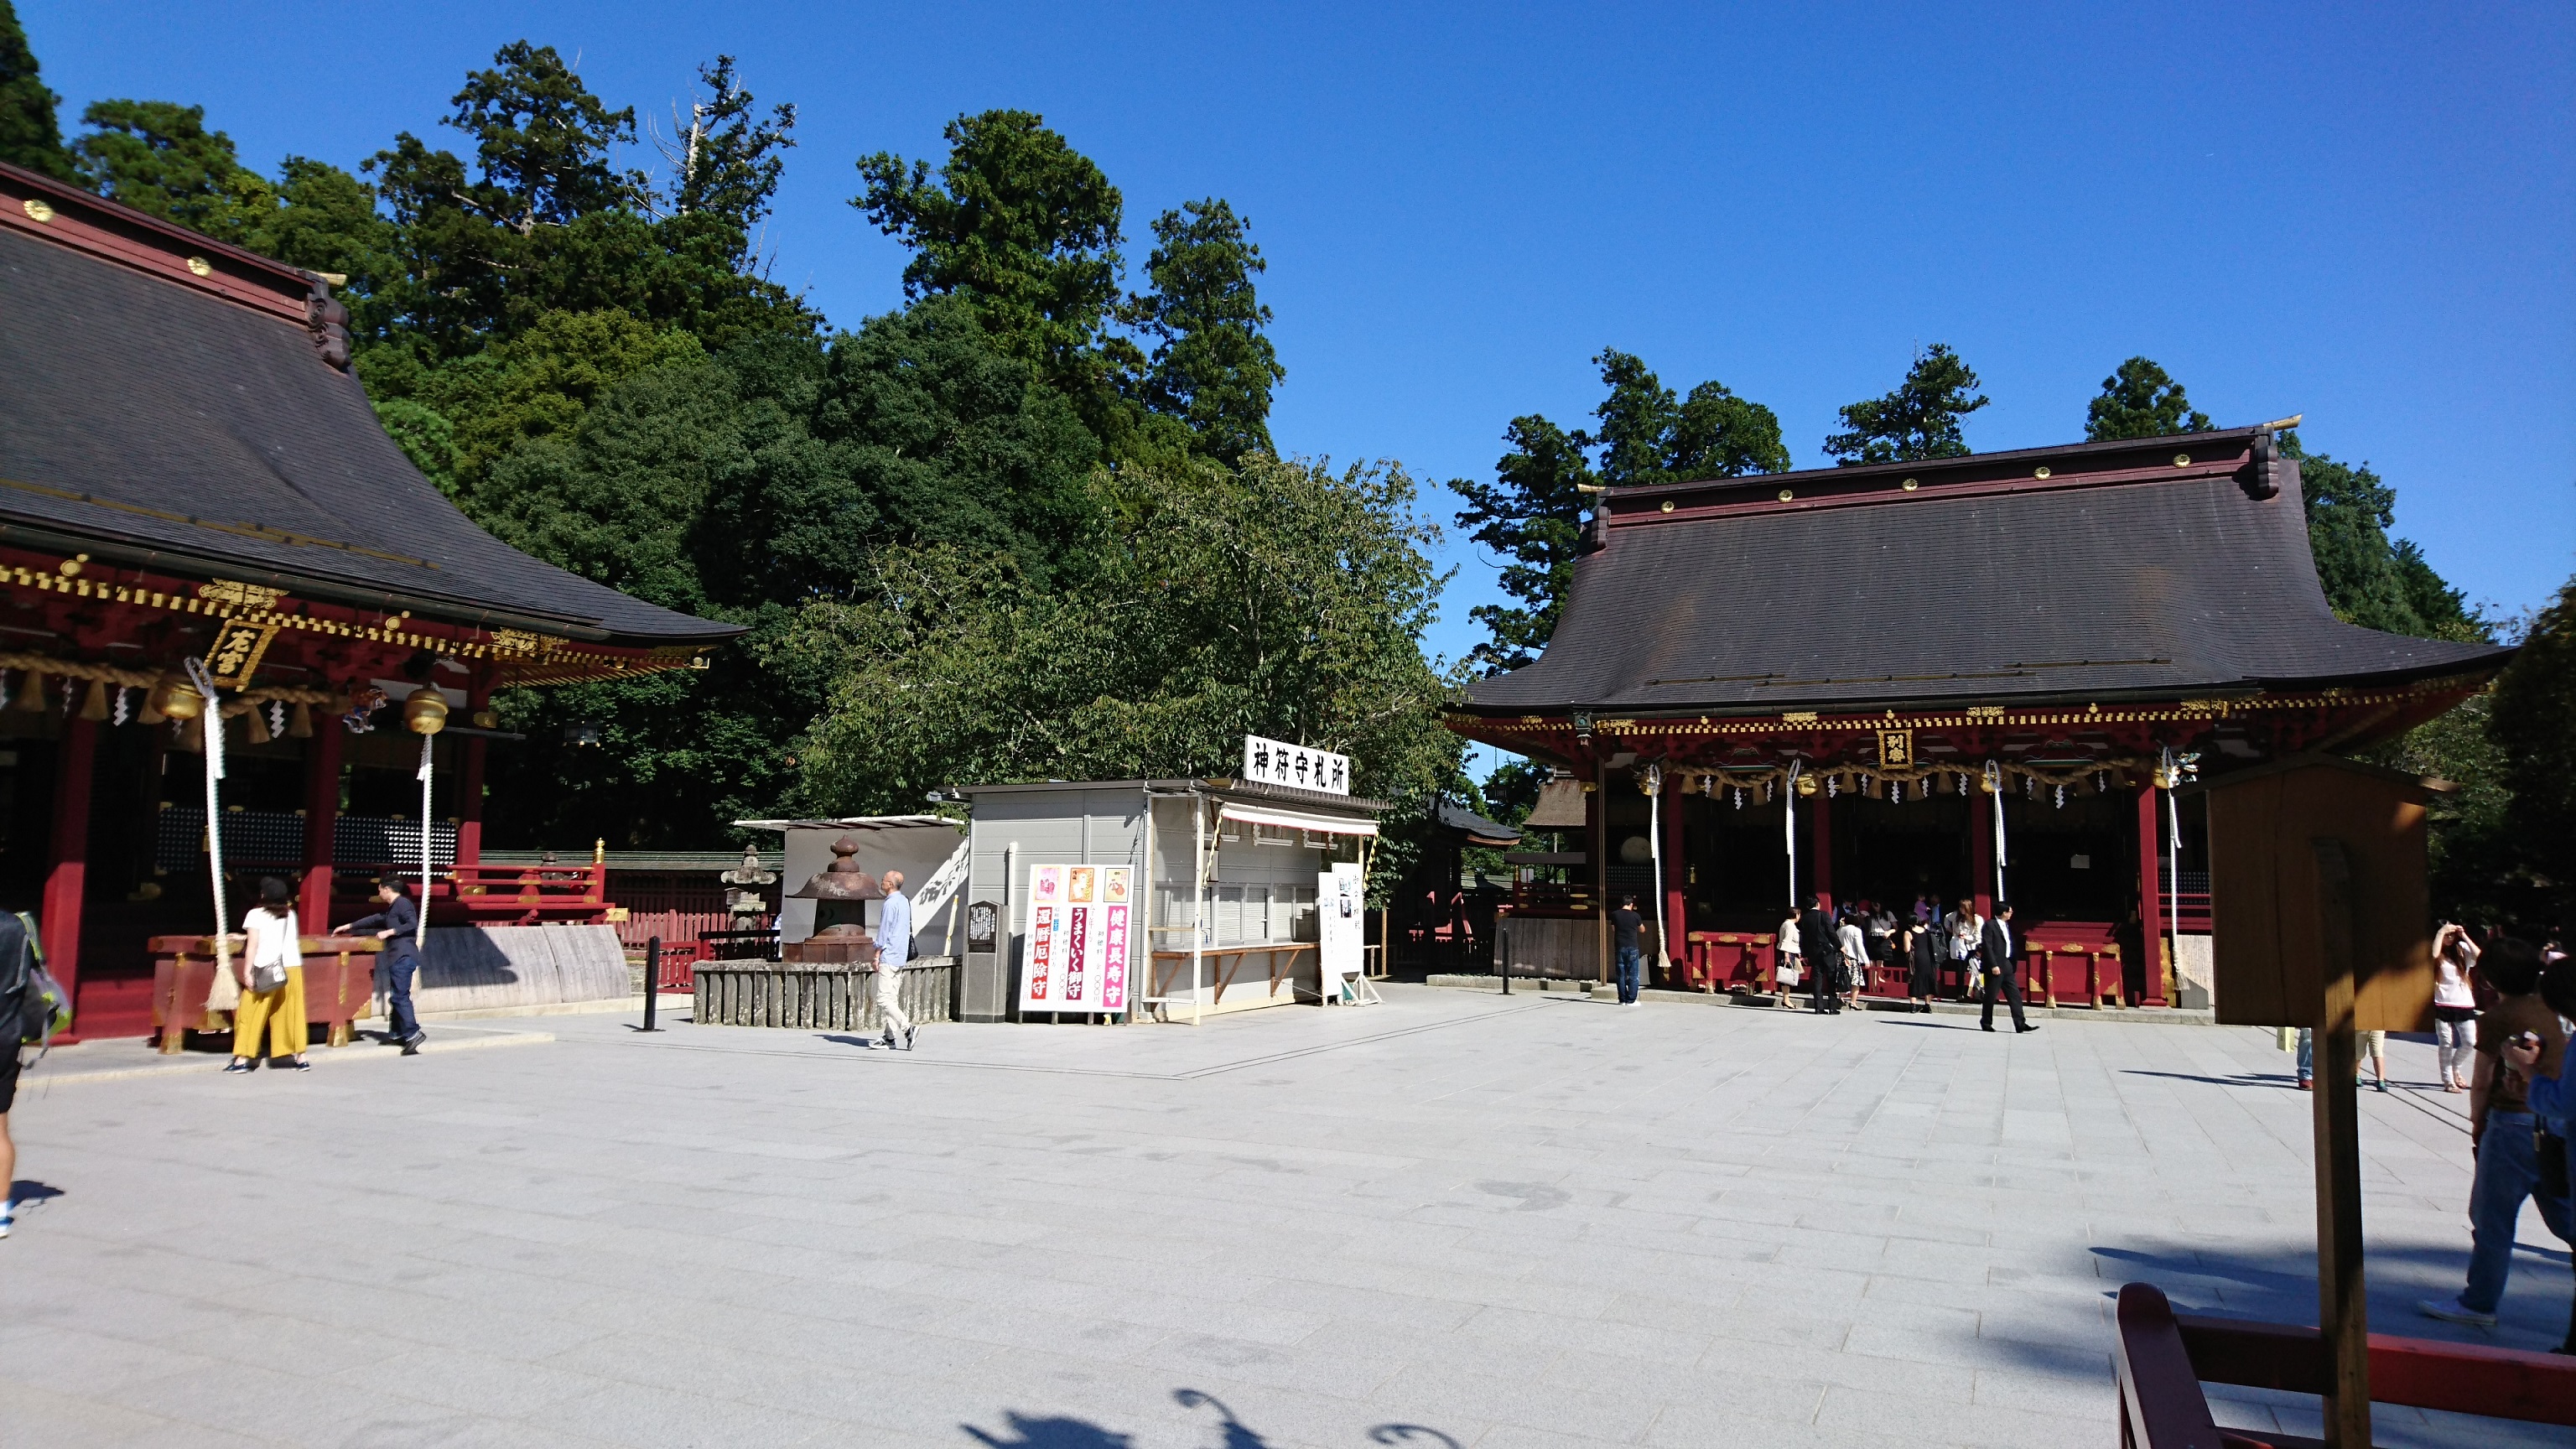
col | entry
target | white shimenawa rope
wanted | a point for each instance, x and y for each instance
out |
(214, 723)
(1655, 840)
(420, 925)
(1995, 785)
(1789, 828)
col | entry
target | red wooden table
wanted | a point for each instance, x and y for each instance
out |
(339, 984)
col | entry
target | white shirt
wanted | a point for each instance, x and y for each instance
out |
(272, 940)
(1854, 950)
(2450, 983)
(1789, 938)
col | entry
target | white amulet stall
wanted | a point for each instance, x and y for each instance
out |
(1164, 900)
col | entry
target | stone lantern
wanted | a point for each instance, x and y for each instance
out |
(840, 893)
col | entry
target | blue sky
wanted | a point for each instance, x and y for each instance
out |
(2360, 213)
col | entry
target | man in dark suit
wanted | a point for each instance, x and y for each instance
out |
(2000, 949)
(1816, 947)
(397, 924)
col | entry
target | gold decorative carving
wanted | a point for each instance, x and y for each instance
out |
(1985, 711)
(1799, 716)
(240, 595)
(520, 641)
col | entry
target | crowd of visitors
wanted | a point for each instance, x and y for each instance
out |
(1831, 950)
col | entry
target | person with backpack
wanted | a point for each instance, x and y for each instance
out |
(33, 1006)
(270, 970)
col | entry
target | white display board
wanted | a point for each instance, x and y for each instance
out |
(1341, 918)
(1075, 924)
(1276, 762)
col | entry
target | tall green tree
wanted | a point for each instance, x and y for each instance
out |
(1211, 367)
(1919, 420)
(1646, 433)
(2140, 400)
(2369, 580)
(729, 160)
(158, 157)
(2534, 701)
(1531, 515)
(1018, 222)
(31, 135)
(1280, 599)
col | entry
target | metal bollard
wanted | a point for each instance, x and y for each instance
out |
(652, 979)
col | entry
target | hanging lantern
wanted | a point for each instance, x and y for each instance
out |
(173, 697)
(425, 710)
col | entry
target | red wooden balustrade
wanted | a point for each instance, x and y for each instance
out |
(2165, 1357)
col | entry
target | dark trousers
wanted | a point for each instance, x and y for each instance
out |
(2009, 982)
(402, 1025)
(1824, 984)
(1631, 966)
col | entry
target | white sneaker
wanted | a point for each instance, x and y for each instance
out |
(2451, 1310)
(4, 1220)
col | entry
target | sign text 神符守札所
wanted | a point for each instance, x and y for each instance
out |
(1276, 762)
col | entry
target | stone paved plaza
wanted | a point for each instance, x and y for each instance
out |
(1452, 1220)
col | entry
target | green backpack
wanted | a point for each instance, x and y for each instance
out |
(30, 998)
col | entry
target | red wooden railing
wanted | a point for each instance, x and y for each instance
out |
(2165, 1357)
(679, 930)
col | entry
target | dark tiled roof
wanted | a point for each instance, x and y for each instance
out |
(2143, 569)
(214, 436)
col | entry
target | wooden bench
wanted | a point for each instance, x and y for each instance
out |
(1225, 962)
(339, 985)
(2164, 1358)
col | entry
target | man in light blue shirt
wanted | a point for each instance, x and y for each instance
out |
(894, 948)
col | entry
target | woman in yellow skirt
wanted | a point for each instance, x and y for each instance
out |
(271, 972)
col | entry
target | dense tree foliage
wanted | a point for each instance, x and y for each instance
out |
(1211, 367)
(1280, 599)
(2532, 705)
(2139, 400)
(1531, 515)
(31, 133)
(1919, 420)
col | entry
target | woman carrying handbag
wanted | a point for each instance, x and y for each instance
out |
(270, 972)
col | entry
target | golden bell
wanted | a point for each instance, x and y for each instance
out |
(425, 710)
(31, 694)
(1806, 784)
(173, 697)
(485, 719)
(94, 704)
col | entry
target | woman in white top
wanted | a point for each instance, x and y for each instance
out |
(1792, 965)
(1967, 932)
(1855, 951)
(270, 971)
(2455, 1007)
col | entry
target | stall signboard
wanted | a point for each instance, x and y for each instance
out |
(1276, 762)
(1077, 932)
(1342, 925)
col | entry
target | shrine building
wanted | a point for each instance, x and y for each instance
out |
(1861, 680)
(189, 471)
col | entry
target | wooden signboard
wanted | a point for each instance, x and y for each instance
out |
(2268, 939)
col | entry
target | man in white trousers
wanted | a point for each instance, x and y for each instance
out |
(894, 948)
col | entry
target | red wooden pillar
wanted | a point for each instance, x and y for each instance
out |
(469, 807)
(1981, 849)
(1820, 840)
(67, 882)
(321, 823)
(1676, 879)
(2151, 896)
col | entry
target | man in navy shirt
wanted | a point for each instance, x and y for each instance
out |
(397, 924)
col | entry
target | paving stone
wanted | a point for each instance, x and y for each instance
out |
(1535, 1223)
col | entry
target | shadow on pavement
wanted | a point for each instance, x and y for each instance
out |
(1060, 1432)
